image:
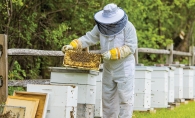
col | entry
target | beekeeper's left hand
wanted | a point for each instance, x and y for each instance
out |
(106, 55)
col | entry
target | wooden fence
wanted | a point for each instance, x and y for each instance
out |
(5, 52)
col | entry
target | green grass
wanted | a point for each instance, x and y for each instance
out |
(182, 111)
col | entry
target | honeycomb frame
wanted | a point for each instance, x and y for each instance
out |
(82, 60)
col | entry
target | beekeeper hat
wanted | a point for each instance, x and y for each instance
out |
(110, 14)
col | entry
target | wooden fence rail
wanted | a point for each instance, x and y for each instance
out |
(4, 52)
(33, 52)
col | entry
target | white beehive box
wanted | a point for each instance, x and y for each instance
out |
(142, 101)
(188, 81)
(63, 75)
(59, 95)
(159, 84)
(98, 101)
(179, 70)
(142, 96)
(98, 108)
(61, 112)
(194, 84)
(99, 90)
(178, 92)
(188, 92)
(159, 99)
(178, 82)
(159, 79)
(171, 78)
(62, 99)
(86, 94)
(143, 72)
(171, 97)
(159, 87)
(188, 72)
(142, 86)
(171, 84)
(142, 79)
(160, 72)
(99, 76)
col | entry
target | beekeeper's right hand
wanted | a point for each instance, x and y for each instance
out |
(66, 47)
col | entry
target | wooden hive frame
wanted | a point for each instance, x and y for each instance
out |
(31, 104)
(43, 101)
(8, 111)
(82, 60)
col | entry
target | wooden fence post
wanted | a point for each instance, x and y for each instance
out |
(136, 56)
(191, 59)
(169, 58)
(3, 68)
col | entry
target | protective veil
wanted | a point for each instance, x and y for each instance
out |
(118, 75)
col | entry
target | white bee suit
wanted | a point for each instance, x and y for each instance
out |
(118, 75)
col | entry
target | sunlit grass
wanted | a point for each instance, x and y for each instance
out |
(183, 111)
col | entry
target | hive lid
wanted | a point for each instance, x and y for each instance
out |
(171, 67)
(72, 70)
(175, 65)
(156, 68)
(189, 67)
(143, 68)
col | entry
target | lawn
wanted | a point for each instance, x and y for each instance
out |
(182, 111)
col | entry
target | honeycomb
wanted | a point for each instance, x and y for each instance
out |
(82, 60)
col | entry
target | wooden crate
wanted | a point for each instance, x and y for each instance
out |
(81, 59)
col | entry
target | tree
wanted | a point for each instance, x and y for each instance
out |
(50, 24)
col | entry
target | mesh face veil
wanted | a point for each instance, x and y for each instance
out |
(112, 28)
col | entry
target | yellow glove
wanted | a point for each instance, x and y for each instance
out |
(75, 44)
(117, 53)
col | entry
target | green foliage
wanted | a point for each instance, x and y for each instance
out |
(55, 35)
(11, 89)
(17, 73)
(18, 2)
(48, 25)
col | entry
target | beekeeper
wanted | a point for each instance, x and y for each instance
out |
(118, 41)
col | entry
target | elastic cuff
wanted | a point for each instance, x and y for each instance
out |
(76, 44)
(115, 53)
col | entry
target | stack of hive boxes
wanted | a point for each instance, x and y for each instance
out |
(86, 82)
(171, 78)
(62, 99)
(194, 84)
(188, 74)
(98, 103)
(72, 92)
(84, 79)
(159, 87)
(142, 95)
(178, 81)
